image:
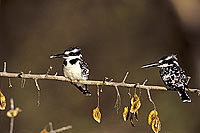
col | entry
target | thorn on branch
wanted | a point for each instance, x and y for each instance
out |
(49, 70)
(145, 81)
(56, 74)
(105, 79)
(4, 67)
(29, 72)
(125, 77)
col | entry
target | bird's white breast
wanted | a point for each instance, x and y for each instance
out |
(73, 71)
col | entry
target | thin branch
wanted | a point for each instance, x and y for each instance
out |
(89, 82)
(10, 83)
(38, 95)
(98, 96)
(58, 130)
(12, 118)
(118, 101)
(63, 129)
(148, 92)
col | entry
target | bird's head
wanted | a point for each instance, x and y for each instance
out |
(165, 61)
(72, 52)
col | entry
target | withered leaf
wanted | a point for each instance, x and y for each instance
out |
(13, 113)
(156, 125)
(97, 114)
(126, 113)
(2, 101)
(135, 103)
(152, 115)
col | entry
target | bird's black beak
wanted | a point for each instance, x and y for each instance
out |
(58, 56)
(151, 65)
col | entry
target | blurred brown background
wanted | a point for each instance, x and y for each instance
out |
(115, 36)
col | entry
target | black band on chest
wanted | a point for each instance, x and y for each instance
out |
(73, 61)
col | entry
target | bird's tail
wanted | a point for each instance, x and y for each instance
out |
(184, 96)
(83, 88)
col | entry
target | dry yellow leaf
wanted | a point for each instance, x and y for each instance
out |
(97, 114)
(44, 131)
(135, 98)
(135, 103)
(156, 125)
(13, 113)
(126, 113)
(2, 101)
(152, 115)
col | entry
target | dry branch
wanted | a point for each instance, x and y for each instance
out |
(89, 82)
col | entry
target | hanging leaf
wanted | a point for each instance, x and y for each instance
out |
(13, 113)
(135, 103)
(97, 114)
(2, 101)
(152, 115)
(126, 113)
(156, 125)
(131, 120)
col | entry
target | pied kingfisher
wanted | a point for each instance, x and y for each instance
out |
(172, 75)
(74, 67)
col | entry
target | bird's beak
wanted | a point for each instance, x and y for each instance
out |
(58, 56)
(151, 65)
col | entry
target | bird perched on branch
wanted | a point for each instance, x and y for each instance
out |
(172, 75)
(74, 67)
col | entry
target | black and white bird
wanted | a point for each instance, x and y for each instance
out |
(172, 75)
(74, 67)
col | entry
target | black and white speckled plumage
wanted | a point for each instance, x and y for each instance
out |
(172, 75)
(74, 67)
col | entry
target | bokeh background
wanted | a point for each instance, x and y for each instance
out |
(115, 36)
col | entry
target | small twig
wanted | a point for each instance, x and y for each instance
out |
(140, 88)
(63, 129)
(12, 118)
(105, 79)
(58, 130)
(23, 82)
(129, 92)
(50, 126)
(29, 72)
(49, 70)
(111, 80)
(56, 74)
(98, 96)
(118, 100)
(38, 95)
(125, 77)
(10, 83)
(4, 68)
(148, 92)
